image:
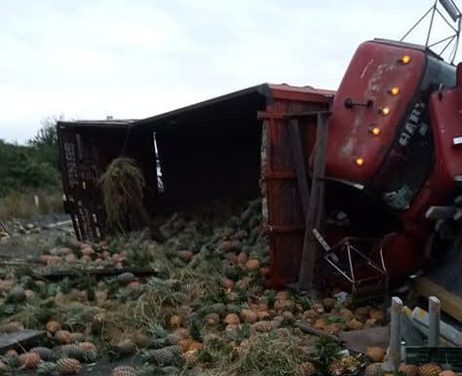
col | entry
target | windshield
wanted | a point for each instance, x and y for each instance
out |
(410, 159)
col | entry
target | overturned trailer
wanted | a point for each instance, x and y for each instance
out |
(236, 146)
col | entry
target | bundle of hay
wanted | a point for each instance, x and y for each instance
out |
(122, 185)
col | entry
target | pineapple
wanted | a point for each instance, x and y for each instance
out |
(376, 354)
(329, 304)
(46, 369)
(175, 321)
(126, 347)
(265, 326)
(346, 314)
(157, 343)
(29, 360)
(212, 319)
(17, 294)
(374, 369)
(249, 316)
(77, 337)
(429, 370)
(348, 364)
(12, 327)
(447, 372)
(169, 355)
(409, 369)
(306, 369)
(140, 339)
(252, 265)
(75, 352)
(232, 319)
(355, 324)
(88, 347)
(63, 337)
(124, 371)
(68, 366)
(44, 352)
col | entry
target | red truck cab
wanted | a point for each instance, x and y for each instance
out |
(386, 142)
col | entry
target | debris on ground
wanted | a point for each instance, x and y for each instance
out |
(204, 309)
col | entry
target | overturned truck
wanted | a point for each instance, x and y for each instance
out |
(351, 181)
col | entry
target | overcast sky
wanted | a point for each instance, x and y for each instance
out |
(88, 59)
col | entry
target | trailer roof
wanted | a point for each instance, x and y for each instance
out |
(266, 92)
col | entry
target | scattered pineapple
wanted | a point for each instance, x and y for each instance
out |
(46, 369)
(29, 360)
(409, 369)
(429, 370)
(374, 369)
(68, 366)
(44, 353)
(306, 369)
(126, 347)
(345, 365)
(124, 371)
(376, 354)
(166, 356)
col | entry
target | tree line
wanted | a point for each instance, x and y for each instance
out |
(33, 165)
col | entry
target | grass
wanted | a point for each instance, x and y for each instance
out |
(267, 354)
(22, 205)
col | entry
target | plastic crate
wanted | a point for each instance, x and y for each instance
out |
(448, 357)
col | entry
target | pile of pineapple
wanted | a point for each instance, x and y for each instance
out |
(205, 311)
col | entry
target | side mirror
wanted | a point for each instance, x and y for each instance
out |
(459, 75)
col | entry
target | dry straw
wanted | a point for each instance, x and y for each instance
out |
(122, 185)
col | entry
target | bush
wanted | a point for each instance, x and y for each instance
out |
(31, 166)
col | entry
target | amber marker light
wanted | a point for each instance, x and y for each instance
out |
(394, 91)
(406, 59)
(359, 161)
(375, 130)
(384, 111)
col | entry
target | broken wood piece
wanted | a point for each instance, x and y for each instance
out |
(450, 303)
(449, 334)
(20, 339)
(305, 327)
(98, 273)
(360, 340)
(411, 335)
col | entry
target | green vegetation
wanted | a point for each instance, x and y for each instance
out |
(28, 170)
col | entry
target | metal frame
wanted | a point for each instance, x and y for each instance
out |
(346, 245)
(454, 13)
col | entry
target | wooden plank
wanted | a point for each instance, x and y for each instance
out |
(434, 318)
(299, 162)
(360, 340)
(108, 272)
(393, 358)
(450, 303)
(315, 208)
(411, 335)
(10, 341)
(448, 335)
(307, 328)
